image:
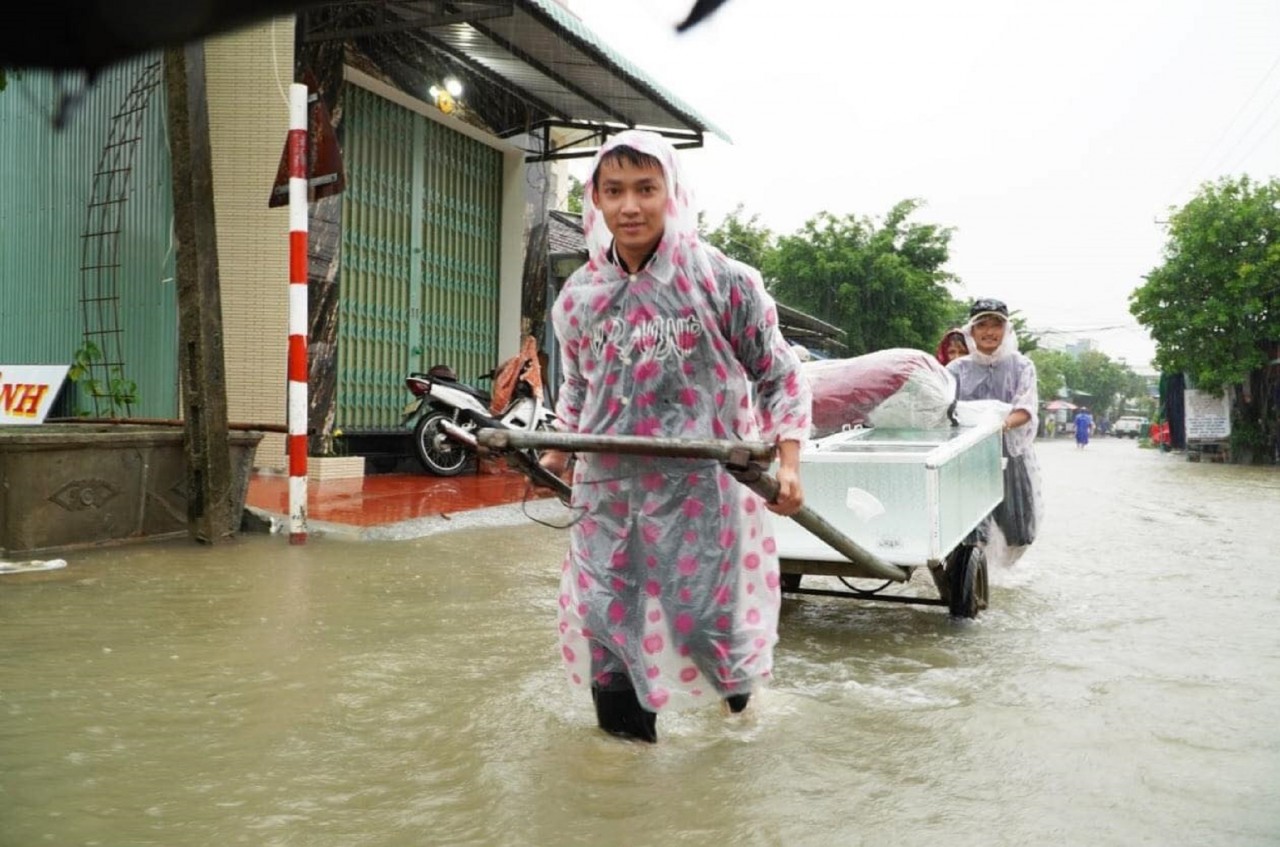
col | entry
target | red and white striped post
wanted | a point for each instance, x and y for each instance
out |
(297, 438)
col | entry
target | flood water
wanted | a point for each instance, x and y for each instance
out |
(1122, 689)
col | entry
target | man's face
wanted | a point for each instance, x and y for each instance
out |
(633, 201)
(988, 332)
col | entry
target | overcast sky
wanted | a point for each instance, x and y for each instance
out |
(1053, 137)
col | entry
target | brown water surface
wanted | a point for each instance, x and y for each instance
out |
(1122, 689)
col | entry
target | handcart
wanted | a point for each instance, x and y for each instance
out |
(909, 498)
(878, 503)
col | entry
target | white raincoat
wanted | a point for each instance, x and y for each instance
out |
(1009, 377)
(671, 577)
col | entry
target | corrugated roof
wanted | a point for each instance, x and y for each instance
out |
(564, 234)
(641, 96)
(535, 50)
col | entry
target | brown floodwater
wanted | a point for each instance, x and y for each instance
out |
(1122, 689)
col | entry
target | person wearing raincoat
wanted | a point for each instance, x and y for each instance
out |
(669, 594)
(995, 370)
(951, 347)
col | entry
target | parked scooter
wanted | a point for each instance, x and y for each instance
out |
(440, 396)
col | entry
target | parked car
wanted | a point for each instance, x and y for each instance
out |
(1130, 426)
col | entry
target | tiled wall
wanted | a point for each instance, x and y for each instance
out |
(248, 74)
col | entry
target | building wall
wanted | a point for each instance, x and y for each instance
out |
(248, 73)
(85, 211)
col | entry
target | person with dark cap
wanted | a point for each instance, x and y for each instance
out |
(995, 370)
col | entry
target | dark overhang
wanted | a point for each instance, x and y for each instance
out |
(536, 65)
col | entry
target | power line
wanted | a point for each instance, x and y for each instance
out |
(1258, 143)
(1086, 329)
(1230, 124)
(1253, 123)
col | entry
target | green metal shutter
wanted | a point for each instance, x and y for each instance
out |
(420, 248)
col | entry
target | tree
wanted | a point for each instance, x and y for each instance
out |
(1111, 386)
(1104, 380)
(573, 201)
(1051, 372)
(1213, 305)
(746, 240)
(884, 285)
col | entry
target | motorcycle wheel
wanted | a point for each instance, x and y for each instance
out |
(438, 453)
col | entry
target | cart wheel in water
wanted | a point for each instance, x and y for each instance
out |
(438, 453)
(967, 581)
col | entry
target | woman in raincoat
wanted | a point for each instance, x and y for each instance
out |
(952, 346)
(995, 370)
(670, 588)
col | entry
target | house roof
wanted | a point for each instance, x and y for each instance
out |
(533, 51)
(564, 235)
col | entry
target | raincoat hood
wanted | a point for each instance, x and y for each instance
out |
(680, 238)
(1008, 346)
(941, 352)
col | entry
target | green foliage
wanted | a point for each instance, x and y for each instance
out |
(118, 393)
(747, 240)
(1104, 380)
(573, 202)
(883, 284)
(1052, 367)
(1027, 340)
(1214, 303)
(1111, 386)
(1250, 439)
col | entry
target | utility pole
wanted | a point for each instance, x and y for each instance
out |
(201, 365)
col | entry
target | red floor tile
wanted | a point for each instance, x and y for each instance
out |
(390, 498)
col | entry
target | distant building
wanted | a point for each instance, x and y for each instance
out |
(1076, 348)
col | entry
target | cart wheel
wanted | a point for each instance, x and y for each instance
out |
(967, 581)
(790, 581)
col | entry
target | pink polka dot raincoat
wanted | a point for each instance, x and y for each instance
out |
(672, 572)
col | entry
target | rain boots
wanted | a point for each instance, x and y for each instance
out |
(618, 710)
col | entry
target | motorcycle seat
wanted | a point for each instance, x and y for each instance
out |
(482, 396)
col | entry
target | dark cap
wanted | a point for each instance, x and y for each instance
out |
(988, 306)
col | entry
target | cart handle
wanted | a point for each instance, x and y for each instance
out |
(742, 459)
(502, 440)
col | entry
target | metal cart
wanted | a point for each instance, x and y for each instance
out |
(878, 503)
(908, 499)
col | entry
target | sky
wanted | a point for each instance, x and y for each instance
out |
(1053, 138)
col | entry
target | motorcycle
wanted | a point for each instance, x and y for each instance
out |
(438, 396)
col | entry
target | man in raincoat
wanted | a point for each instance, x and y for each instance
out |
(670, 589)
(995, 370)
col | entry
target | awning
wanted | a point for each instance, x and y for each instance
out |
(533, 51)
